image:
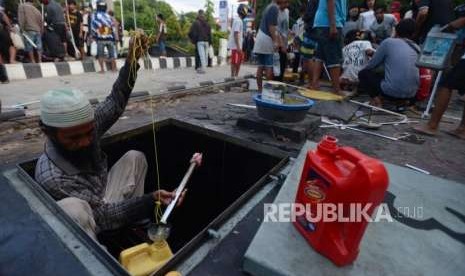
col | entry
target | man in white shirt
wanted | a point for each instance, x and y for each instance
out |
(368, 18)
(356, 56)
(235, 40)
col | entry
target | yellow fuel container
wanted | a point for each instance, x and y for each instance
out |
(144, 259)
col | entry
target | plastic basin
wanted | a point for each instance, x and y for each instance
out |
(284, 113)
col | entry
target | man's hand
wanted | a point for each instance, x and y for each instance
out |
(370, 52)
(166, 197)
(137, 47)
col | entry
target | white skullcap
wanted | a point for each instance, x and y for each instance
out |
(64, 108)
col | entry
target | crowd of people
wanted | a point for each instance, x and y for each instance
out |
(344, 40)
(62, 32)
(369, 48)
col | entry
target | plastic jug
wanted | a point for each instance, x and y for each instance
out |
(144, 259)
(341, 177)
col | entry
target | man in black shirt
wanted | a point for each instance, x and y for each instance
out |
(76, 25)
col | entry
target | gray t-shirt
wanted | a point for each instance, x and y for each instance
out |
(269, 17)
(383, 30)
(55, 13)
(401, 76)
(350, 26)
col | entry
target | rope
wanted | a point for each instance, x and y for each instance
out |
(158, 212)
(141, 42)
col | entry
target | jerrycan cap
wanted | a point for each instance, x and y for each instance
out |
(328, 145)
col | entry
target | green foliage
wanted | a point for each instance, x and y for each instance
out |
(216, 36)
(209, 13)
(178, 25)
(146, 11)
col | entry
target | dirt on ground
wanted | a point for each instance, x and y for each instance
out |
(442, 156)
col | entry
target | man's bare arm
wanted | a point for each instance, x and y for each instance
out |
(237, 41)
(274, 35)
(457, 24)
(421, 18)
(332, 18)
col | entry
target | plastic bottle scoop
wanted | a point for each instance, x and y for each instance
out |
(161, 230)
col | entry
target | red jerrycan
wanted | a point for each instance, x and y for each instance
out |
(337, 184)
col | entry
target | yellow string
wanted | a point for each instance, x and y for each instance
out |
(141, 42)
(158, 213)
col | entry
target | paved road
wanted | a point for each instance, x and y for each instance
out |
(96, 85)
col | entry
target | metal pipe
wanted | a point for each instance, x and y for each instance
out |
(393, 123)
(379, 109)
(373, 133)
(196, 161)
(122, 15)
(42, 11)
(433, 95)
(417, 169)
(77, 53)
(134, 13)
(361, 131)
(243, 106)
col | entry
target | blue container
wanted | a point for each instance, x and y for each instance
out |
(284, 113)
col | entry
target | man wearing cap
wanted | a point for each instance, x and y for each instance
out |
(73, 168)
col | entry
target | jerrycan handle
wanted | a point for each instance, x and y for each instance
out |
(351, 154)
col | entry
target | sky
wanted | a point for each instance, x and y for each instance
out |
(195, 5)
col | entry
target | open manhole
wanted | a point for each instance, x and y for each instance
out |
(233, 170)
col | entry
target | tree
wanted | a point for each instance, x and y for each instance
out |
(146, 11)
(185, 22)
(209, 13)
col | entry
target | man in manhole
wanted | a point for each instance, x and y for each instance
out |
(73, 169)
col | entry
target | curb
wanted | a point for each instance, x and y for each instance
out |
(25, 71)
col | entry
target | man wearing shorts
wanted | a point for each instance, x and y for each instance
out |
(102, 31)
(307, 47)
(235, 40)
(454, 80)
(329, 21)
(267, 42)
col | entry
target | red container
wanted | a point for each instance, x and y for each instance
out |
(342, 177)
(426, 83)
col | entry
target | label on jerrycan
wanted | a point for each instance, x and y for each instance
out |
(314, 191)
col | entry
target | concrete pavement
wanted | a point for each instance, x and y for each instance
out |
(96, 85)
